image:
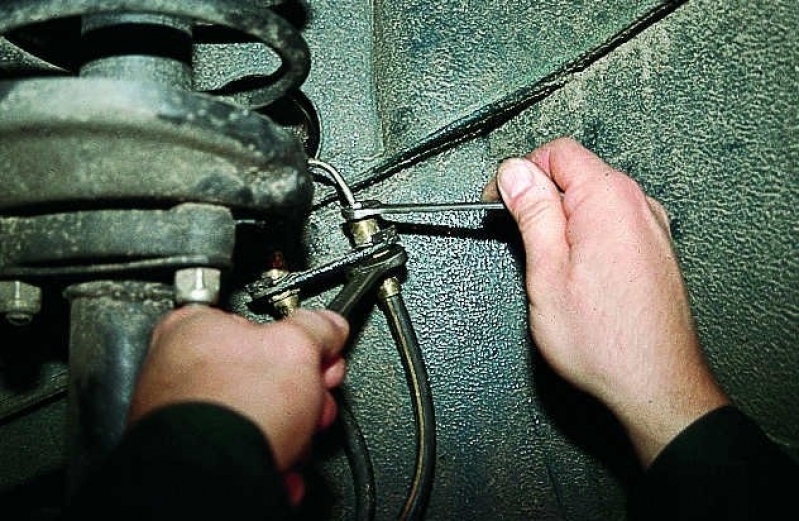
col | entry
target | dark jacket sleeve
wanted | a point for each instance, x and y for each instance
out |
(721, 467)
(188, 461)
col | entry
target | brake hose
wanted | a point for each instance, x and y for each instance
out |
(399, 321)
(402, 330)
(360, 464)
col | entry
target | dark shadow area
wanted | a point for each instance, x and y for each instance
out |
(27, 348)
(320, 495)
(57, 42)
(262, 245)
(140, 39)
(586, 422)
(296, 113)
(41, 499)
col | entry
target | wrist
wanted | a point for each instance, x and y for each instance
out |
(653, 421)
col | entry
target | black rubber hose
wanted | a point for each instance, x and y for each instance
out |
(422, 399)
(360, 464)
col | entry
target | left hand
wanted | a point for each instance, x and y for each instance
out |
(278, 375)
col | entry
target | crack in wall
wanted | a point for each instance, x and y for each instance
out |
(494, 115)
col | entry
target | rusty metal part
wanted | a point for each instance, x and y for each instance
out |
(363, 232)
(390, 287)
(97, 141)
(286, 303)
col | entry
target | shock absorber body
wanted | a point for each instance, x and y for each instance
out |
(116, 176)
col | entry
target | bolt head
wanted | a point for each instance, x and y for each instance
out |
(19, 301)
(197, 286)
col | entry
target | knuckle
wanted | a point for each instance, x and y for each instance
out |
(531, 213)
(629, 191)
(298, 344)
(658, 208)
(628, 186)
(295, 334)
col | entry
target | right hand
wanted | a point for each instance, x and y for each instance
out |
(608, 305)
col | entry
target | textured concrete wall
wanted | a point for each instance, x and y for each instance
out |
(699, 105)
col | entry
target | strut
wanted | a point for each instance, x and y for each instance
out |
(115, 174)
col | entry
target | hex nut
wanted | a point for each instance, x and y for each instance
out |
(284, 304)
(19, 301)
(362, 232)
(197, 286)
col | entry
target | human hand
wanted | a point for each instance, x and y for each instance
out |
(608, 305)
(277, 375)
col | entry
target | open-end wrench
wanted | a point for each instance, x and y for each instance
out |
(364, 277)
(366, 209)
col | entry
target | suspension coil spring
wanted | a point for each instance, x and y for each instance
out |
(258, 20)
(124, 175)
(130, 133)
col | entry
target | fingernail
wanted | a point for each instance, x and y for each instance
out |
(515, 177)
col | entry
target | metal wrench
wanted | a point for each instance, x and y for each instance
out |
(366, 209)
(364, 277)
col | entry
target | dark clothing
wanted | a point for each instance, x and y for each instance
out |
(206, 462)
(721, 467)
(190, 461)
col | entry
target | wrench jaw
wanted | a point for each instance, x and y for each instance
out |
(363, 279)
(376, 256)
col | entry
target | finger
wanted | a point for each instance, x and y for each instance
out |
(329, 412)
(535, 203)
(490, 191)
(328, 330)
(660, 213)
(333, 372)
(569, 164)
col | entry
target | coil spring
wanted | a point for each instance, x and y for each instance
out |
(257, 20)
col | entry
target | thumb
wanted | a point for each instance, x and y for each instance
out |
(535, 203)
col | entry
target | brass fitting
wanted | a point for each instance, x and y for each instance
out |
(286, 303)
(390, 287)
(362, 231)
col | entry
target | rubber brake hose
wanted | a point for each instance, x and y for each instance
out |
(422, 400)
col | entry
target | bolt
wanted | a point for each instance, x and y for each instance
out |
(19, 301)
(197, 286)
